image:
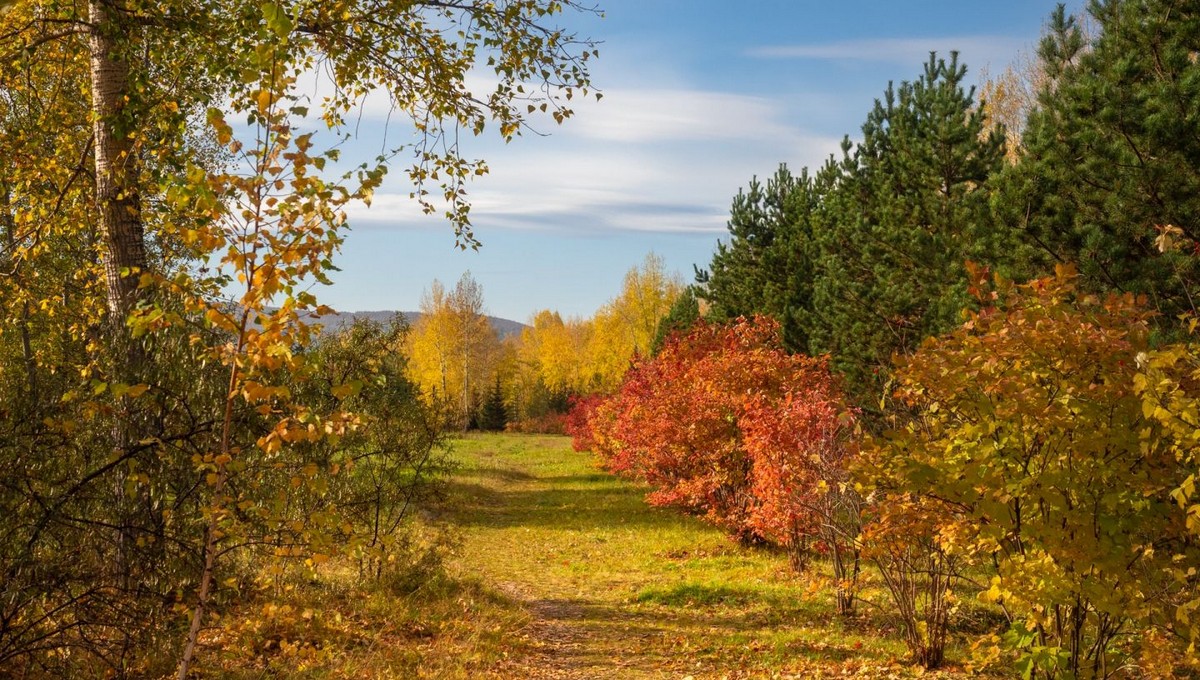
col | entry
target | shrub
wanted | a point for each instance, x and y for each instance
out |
(1026, 430)
(547, 423)
(799, 445)
(724, 423)
(578, 421)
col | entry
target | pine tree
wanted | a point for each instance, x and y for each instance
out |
(766, 268)
(684, 313)
(1113, 150)
(493, 415)
(906, 209)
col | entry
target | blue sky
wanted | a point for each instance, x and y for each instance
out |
(699, 96)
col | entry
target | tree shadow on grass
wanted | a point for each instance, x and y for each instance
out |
(699, 594)
(655, 637)
(578, 508)
(499, 474)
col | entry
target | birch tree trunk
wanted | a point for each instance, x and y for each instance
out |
(118, 208)
(118, 200)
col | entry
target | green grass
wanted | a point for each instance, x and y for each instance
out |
(638, 591)
(558, 570)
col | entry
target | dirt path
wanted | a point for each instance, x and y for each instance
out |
(564, 643)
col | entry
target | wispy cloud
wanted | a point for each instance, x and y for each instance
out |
(664, 115)
(644, 160)
(978, 49)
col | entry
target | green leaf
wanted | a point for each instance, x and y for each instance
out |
(277, 19)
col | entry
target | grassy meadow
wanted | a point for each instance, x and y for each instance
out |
(614, 588)
(550, 568)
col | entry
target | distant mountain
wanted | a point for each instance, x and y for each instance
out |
(504, 327)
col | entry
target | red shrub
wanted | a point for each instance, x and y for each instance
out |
(679, 422)
(798, 447)
(578, 421)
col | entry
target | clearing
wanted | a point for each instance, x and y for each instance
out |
(608, 587)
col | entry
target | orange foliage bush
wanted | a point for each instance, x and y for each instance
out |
(724, 423)
(578, 421)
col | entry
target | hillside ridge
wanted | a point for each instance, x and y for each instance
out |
(504, 327)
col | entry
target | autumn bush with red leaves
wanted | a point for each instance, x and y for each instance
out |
(577, 422)
(726, 424)
(800, 445)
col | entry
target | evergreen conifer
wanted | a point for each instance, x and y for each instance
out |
(1113, 151)
(493, 415)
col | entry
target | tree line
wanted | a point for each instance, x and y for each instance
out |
(526, 382)
(1002, 411)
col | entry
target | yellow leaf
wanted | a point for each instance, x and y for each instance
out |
(264, 100)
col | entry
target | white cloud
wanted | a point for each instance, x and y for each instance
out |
(592, 186)
(641, 160)
(975, 49)
(658, 115)
(629, 114)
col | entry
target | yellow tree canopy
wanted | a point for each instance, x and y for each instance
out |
(453, 349)
(625, 327)
(555, 351)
